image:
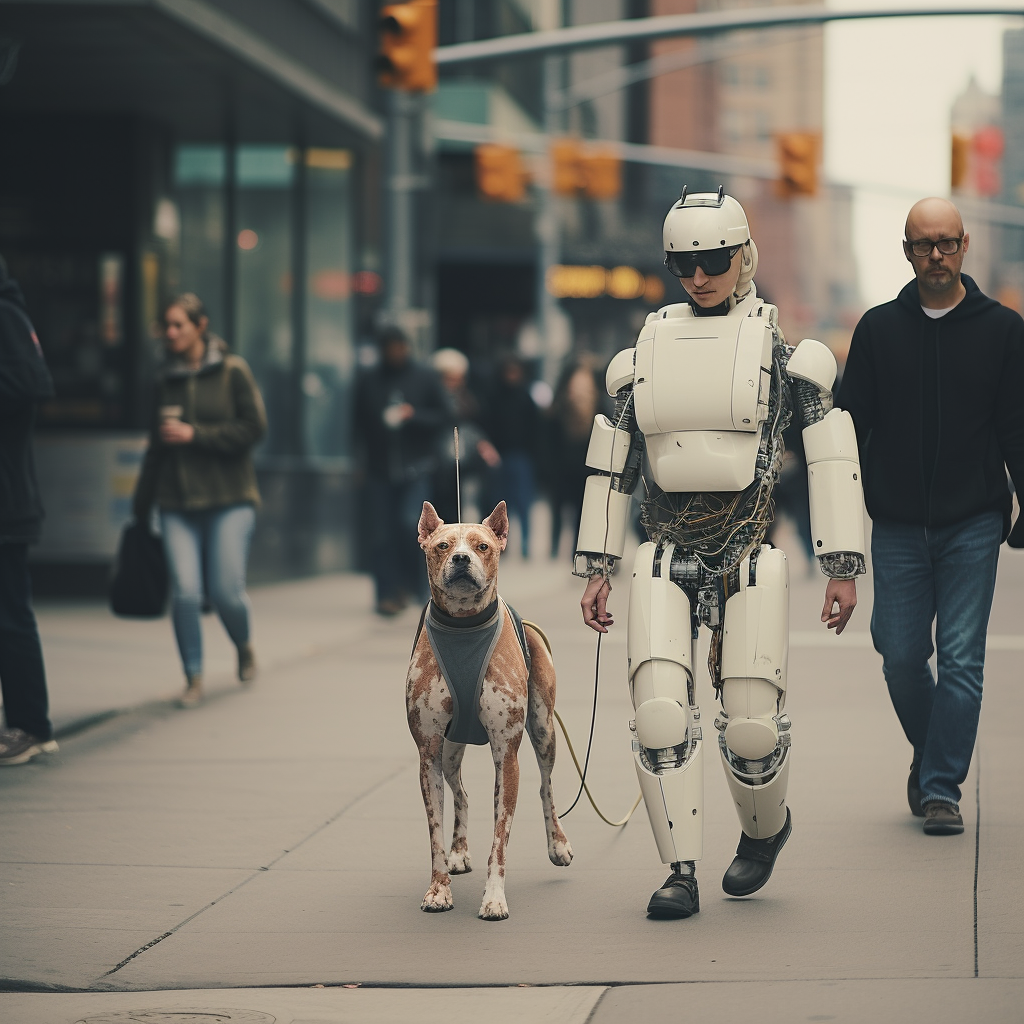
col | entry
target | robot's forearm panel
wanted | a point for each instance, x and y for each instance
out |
(604, 518)
(834, 483)
(609, 448)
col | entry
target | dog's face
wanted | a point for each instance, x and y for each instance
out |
(462, 559)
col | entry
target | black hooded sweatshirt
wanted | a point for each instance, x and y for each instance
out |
(24, 381)
(939, 409)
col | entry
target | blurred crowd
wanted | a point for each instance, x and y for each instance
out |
(520, 441)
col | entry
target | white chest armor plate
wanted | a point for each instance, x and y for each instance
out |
(701, 396)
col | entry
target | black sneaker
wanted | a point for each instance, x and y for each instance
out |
(942, 819)
(677, 898)
(755, 859)
(914, 790)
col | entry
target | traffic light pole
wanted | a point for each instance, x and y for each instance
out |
(403, 179)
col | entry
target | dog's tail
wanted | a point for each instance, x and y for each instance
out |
(540, 632)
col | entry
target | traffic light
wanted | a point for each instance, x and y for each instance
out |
(602, 174)
(408, 36)
(958, 161)
(499, 173)
(798, 163)
(566, 167)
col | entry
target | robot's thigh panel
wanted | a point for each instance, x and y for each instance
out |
(755, 650)
(659, 653)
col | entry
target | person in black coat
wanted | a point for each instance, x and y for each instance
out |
(934, 383)
(24, 381)
(400, 411)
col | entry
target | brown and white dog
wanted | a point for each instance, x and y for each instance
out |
(462, 567)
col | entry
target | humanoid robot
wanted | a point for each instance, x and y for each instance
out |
(705, 394)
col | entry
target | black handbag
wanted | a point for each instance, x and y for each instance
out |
(139, 587)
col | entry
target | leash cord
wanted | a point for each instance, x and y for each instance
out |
(582, 772)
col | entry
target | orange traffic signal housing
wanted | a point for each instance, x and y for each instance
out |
(958, 160)
(408, 36)
(798, 154)
(602, 174)
(500, 174)
(566, 167)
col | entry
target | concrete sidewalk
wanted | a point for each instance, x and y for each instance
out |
(274, 839)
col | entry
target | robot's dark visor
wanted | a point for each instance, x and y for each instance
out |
(712, 261)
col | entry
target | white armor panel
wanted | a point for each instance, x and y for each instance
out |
(603, 518)
(834, 485)
(814, 362)
(703, 460)
(710, 373)
(620, 371)
(755, 650)
(608, 447)
(660, 657)
(761, 809)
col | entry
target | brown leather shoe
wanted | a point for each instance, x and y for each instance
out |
(942, 819)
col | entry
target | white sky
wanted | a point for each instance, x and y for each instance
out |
(889, 86)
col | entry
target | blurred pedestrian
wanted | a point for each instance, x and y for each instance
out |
(24, 381)
(933, 383)
(207, 416)
(512, 422)
(400, 413)
(578, 399)
(477, 456)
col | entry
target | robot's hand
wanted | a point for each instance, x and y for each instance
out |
(844, 594)
(595, 604)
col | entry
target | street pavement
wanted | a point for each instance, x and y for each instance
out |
(245, 860)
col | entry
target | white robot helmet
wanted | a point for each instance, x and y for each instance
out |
(714, 226)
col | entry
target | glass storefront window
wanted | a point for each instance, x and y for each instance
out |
(263, 333)
(327, 377)
(200, 172)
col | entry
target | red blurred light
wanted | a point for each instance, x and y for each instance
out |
(367, 282)
(248, 239)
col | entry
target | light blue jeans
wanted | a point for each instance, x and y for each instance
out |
(215, 540)
(946, 576)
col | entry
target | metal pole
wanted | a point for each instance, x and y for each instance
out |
(400, 185)
(547, 227)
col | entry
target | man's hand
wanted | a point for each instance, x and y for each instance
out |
(844, 594)
(595, 604)
(176, 432)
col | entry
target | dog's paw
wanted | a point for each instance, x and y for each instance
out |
(438, 899)
(493, 908)
(560, 852)
(459, 862)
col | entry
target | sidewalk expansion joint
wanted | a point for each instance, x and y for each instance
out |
(256, 873)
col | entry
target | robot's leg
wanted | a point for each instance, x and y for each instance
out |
(753, 731)
(667, 745)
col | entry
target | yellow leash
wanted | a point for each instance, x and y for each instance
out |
(572, 752)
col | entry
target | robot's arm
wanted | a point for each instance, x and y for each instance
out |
(615, 452)
(833, 463)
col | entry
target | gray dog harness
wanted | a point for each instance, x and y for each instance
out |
(463, 649)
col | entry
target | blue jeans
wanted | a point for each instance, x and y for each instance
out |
(213, 543)
(393, 514)
(945, 575)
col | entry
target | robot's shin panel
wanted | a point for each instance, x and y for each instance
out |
(761, 808)
(675, 806)
(667, 747)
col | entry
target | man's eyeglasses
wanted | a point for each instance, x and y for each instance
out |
(712, 261)
(924, 246)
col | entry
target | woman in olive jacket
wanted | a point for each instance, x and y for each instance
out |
(198, 471)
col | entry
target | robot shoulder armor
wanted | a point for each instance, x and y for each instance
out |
(620, 371)
(813, 362)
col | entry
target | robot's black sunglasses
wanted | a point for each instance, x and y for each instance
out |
(712, 261)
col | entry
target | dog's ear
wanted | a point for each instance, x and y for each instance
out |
(497, 522)
(429, 522)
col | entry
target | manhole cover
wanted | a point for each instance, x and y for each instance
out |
(184, 1015)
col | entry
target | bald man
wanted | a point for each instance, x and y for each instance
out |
(935, 385)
